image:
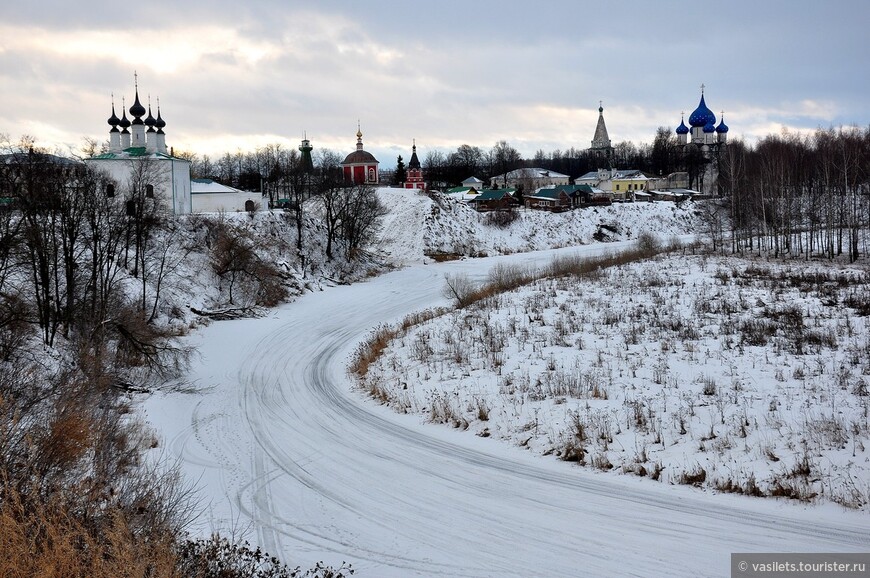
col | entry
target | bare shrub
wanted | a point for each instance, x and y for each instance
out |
(482, 408)
(235, 260)
(600, 461)
(500, 219)
(709, 385)
(217, 557)
(504, 277)
(648, 243)
(460, 288)
(695, 477)
(756, 331)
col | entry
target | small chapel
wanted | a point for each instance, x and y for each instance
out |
(414, 179)
(360, 167)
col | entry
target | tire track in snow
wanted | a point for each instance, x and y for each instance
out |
(336, 477)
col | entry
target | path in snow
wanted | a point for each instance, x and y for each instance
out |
(284, 449)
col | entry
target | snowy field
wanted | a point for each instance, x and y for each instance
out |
(287, 452)
(723, 373)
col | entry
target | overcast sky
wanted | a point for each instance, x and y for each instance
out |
(235, 75)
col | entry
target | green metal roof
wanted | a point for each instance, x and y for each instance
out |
(554, 194)
(135, 152)
(574, 188)
(492, 195)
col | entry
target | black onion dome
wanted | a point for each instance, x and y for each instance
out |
(149, 122)
(137, 110)
(124, 122)
(159, 123)
(114, 121)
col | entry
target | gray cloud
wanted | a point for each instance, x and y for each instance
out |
(237, 75)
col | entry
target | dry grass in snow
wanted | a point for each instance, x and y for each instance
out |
(738, 375)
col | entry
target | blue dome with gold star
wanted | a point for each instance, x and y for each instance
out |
(702, 115)
(682, 129)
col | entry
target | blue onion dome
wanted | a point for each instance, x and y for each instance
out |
(702, 115)
(114, 121)
(682, 129)
(710, 127)
(722, 128)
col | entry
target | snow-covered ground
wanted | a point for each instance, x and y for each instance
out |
(724, 373)
(420, 225)
(287, 451)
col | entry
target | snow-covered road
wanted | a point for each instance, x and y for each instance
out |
(284, 450)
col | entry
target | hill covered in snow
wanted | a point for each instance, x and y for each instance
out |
(420, 226)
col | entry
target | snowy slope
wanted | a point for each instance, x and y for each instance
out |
(419, 225)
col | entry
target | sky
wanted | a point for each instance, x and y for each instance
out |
(235, 76)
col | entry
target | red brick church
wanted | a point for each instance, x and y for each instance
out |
(415, 172)
(360, 167)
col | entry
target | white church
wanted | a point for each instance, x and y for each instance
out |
(138, 160)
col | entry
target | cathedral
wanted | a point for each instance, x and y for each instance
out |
(701, 145)
(138, 161)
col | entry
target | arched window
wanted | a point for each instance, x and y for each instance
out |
(110, 190)
(149, 191)
(371, 175)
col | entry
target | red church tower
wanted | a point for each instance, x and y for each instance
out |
(360, 167)
(415, 172)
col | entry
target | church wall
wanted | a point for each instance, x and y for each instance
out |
(170, 178)
(228, 202)
(181, 197)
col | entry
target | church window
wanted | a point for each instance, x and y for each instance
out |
(110, 190)
(149, 191)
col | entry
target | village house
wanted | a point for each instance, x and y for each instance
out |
(494, 200)
(463, 193)
(549, 199)
(473, 182)
(530, 179)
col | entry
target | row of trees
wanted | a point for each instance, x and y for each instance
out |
(795, 194)
(75, 492)
(270, 169)
(85, 264)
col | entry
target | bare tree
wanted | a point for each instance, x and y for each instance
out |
(361, 220)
